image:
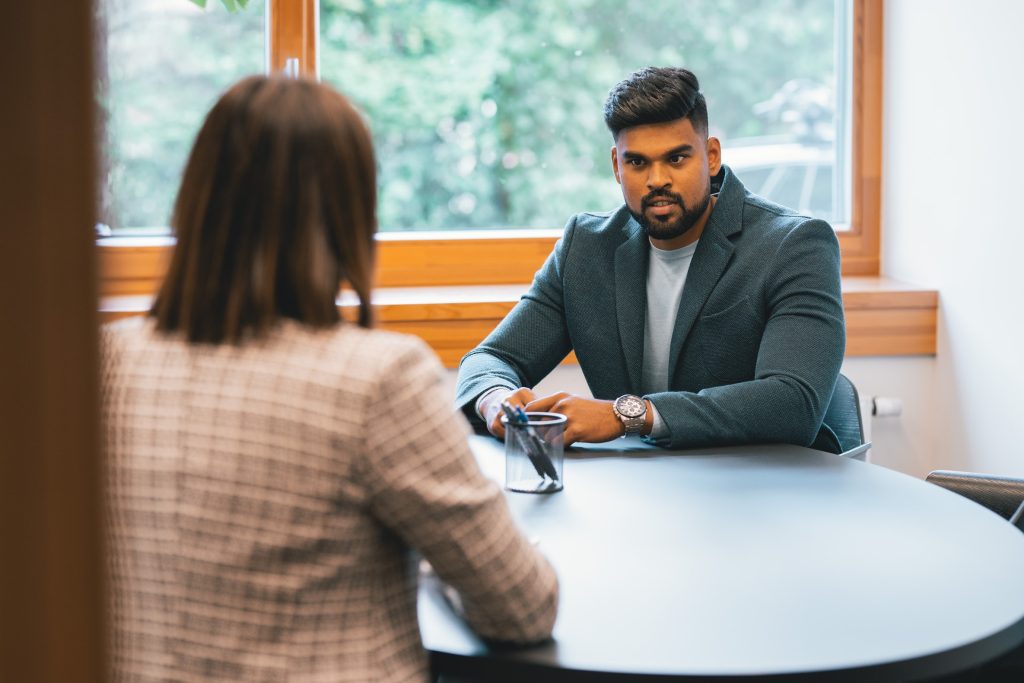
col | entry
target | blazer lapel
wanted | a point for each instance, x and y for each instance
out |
(709, 262)
(631, 300)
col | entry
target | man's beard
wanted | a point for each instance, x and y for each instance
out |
(666, 230)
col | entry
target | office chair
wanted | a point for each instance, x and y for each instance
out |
(1002, 495)
(844, 419)
(1005, 497)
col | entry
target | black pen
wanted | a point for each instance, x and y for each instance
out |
(538, 445)
(513, 418)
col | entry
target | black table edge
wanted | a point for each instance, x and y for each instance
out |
(507, 667)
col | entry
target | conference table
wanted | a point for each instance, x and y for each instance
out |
(748, 562)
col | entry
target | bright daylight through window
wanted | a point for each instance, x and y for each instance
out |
(161, 65)
(488, 114)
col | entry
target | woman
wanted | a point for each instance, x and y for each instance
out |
(270, 467)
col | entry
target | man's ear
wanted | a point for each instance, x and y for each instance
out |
(714, 148)
(615, 164)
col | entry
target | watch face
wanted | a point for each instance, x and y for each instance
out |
(631, 406)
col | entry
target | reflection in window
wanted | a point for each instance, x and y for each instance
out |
(821, 191)
(790, 183)
(161, 65)
(489, 114)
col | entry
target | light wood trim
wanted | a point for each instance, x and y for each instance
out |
(52, 603)
(883, 317)
(292, 28)
(469, 258)
(132, 266)
(890, 332)
(862, 292)
(860, 244)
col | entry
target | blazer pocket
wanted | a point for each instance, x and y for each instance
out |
(729, 342)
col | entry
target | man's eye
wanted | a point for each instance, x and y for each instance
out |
(677, 158)
(635, 162)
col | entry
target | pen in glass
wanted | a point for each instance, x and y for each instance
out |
(531, 442)
(538, 444)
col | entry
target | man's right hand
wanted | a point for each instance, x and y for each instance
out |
(490, 408)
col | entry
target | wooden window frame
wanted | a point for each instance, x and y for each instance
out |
(135, 266)
(860, 245)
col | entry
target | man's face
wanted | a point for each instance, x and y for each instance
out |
(665, 172)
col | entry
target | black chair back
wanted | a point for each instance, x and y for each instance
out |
(1002, 495)
(843, 415)
(1005, 497)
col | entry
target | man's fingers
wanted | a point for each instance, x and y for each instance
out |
(494, 413)
(540, 405)
(545, 403)
(520, 397)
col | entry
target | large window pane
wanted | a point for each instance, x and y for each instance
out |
(162, 65)
(488, 114)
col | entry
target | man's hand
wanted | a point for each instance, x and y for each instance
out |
(491, 408)
(590, 420)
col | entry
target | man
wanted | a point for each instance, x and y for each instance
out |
(700, 314)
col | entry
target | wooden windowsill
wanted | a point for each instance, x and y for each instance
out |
(884, 317)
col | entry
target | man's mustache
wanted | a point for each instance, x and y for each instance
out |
(654, 196)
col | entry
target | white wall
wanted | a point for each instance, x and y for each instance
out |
(953, 179)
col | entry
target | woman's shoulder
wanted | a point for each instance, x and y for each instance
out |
(125, 331)
(346, 350)
(371, 349)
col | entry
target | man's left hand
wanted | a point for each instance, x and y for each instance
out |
(589, 420)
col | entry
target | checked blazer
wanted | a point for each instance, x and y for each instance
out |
(264, 501)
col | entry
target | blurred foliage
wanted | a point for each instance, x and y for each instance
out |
(229, 5)
(162, 65)
(489, 113)
(485, 113)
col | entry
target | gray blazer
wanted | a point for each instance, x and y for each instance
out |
(759, 337)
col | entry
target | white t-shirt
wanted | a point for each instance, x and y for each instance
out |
(666, 276)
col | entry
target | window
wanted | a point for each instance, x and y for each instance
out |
(162, 64)
(488, 115)
(409, 257)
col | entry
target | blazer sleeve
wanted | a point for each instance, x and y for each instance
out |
(529, 343)
(423, 483)
(798, 360)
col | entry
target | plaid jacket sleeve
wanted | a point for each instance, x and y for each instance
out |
(423, 482)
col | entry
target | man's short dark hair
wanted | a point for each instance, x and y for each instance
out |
(656, 95)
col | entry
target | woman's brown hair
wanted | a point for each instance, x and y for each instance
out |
(277, 207)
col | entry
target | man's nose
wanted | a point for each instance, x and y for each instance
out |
(658, 177)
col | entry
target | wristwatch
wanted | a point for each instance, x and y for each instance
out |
(632, 410)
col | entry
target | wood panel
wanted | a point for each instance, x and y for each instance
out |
(883, 292)
(883, 316)
(450, 339)
(890, 332)
(132, 266)
(467, 258)
(51, 562)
